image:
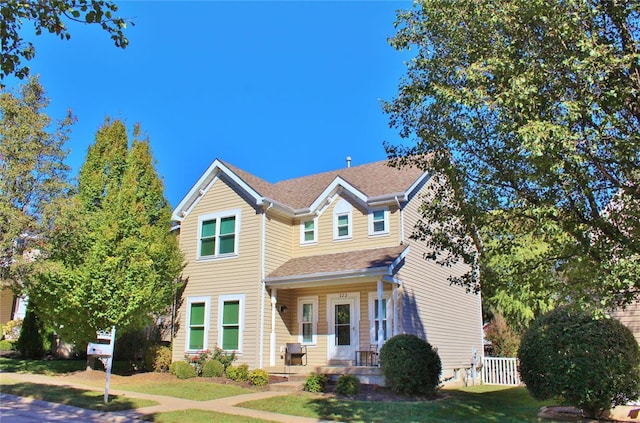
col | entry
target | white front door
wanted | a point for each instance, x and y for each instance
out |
(343, 328)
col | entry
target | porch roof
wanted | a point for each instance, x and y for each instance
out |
(350, 264)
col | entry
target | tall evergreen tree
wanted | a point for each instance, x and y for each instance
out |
(117, 260)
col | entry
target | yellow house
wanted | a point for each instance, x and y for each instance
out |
(324, 260)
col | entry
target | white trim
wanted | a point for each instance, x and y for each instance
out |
(217, 216)
(221, 300)
(315, 231)
(373, 296)
(207, 310)
(385, 219)
(337, 183)
(314, 302)
(343, 208)
(198, 190)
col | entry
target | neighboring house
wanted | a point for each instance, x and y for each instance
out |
(324, 260)
(630, 317)
(12, 307)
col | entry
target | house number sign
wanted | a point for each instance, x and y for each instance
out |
(343, 295)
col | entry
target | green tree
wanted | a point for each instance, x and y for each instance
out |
(51, 16)
(528, 112)
(32, 176)
(114, 260)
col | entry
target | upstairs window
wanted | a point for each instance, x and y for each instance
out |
(342, 220)
(308, 231)
(219, 234)
(379, 222)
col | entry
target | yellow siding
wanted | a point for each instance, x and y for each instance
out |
(279, 244)
(6, 305)
(237, 275)
(448, 316)
(360, 238)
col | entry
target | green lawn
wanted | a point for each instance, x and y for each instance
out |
(92, 400)
(46, 367)
(478, 404)
(192, 389)
(200, 416)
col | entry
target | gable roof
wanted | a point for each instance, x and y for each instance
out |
(372, 183)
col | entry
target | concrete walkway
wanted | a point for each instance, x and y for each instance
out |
(11, 405)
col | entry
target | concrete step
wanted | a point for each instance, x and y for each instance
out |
(287, 387)
(300, 378)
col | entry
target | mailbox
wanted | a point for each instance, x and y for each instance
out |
(105, 350)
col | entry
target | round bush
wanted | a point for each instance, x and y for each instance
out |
(213, 368)
(238, 373)
(315, 383)
(258, 377)
(172, 367)
(410, 365)
(348, 385)
(591, 363)
(184, 370)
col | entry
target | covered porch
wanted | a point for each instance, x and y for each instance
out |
(340, 308)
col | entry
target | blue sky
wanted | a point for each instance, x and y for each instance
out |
(280, 89)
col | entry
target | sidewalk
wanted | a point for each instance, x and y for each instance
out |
(226, 405)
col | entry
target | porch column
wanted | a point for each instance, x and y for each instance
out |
(395, 308)
(380, 316)
(272, 339)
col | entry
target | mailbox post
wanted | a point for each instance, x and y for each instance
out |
(104, 353)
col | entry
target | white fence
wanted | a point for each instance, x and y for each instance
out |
(500, 371)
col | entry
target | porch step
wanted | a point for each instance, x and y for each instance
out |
(291, 386)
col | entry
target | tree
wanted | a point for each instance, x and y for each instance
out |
(113, 259)
(32, 176)
(50, 16)
(528, 113)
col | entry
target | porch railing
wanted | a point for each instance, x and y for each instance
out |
(500, 371)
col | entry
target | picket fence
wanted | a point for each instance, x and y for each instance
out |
(500, 371)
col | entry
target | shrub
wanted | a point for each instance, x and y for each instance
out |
(504, 340)
(238, 373)
(315, 383)
(157, 358)
(197, 360)
(410, 365)
(223, 357)
(348, 385)
(258, 377)
(30, 342)
(172, 367)
(184, 370)
(213, 368)
(6, 345)
(11, 330)
(591, 363)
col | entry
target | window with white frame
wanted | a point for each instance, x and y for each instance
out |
(197, 323)
(309, 231)
(308, 320)
(231, 322)
(218, 234)
(375, 319)
(379, 222)
(342, 224)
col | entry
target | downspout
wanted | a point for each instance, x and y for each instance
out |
(401, 221)
(264, 287)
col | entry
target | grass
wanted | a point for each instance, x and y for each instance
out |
(92, 400)
(45, 367)
(192, 389)
(199, 416)
(477, 404)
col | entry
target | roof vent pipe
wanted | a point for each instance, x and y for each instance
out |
(348, 161)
